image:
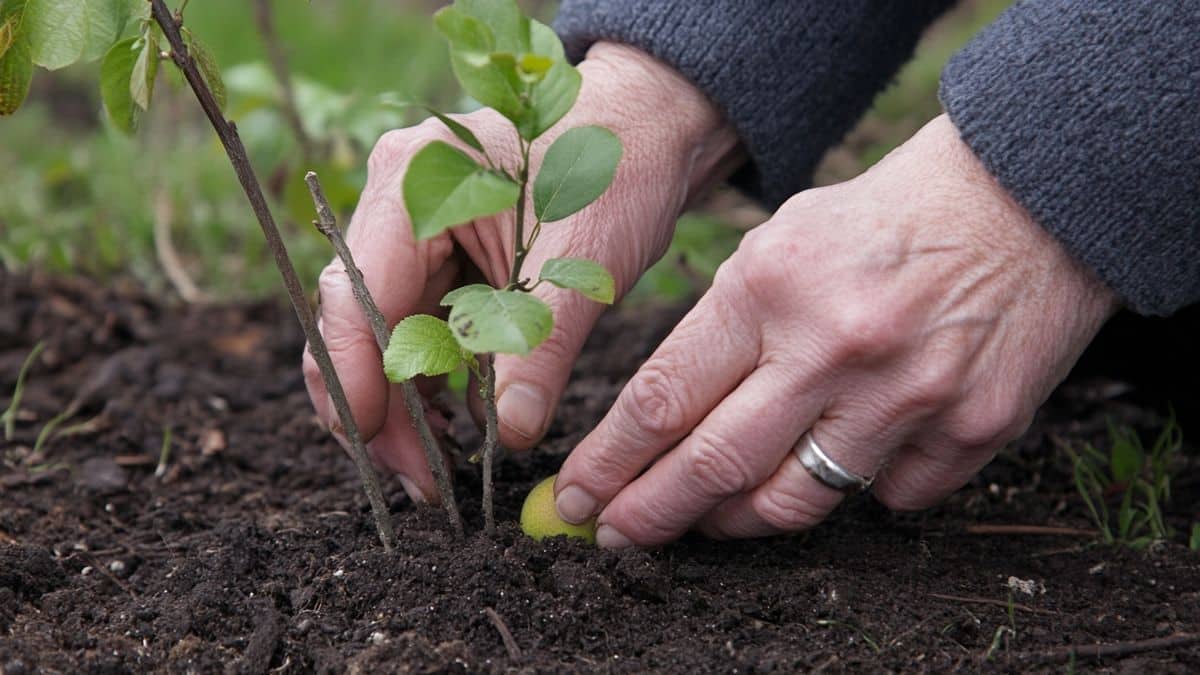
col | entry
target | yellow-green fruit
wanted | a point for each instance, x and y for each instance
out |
(539, 518)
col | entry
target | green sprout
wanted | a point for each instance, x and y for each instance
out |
(9, 417)
(516, 66)
(1142, 477)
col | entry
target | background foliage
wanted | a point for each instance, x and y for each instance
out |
(77, 195)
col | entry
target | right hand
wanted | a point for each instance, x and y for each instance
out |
(675, 143)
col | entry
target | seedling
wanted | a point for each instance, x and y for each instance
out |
(516, 66)
(1141, 477)
(9, 417)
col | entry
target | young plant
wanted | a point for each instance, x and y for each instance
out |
(516, 66)
(1141, 477)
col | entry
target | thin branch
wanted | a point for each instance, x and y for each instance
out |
(520, 251)
(326, 222)
(510, 643)
(490, 442)
(164, 248)
(236, 151)
(266, 28)
(1040, 530)
(991, 601)
(1112, 649)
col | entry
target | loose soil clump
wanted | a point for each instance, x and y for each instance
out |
(253, 550)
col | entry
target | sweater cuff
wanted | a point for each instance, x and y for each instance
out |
(792, 76)
(1088, 113)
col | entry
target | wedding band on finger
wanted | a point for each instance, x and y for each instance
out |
(824, 469)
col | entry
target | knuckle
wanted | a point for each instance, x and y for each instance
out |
(935, 385)
(390, 149)
(786, 512)
(653, 405)
(716, 465)
(862, 332)
(986, 427)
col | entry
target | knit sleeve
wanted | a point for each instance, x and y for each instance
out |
(792, 76)
(1088, 113)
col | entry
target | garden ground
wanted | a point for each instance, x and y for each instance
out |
(253, 551)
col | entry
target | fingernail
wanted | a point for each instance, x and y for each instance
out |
(608, 537)
(523, 408)
(574, 505)
(411, 488)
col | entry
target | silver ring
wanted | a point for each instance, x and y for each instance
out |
(824, 469)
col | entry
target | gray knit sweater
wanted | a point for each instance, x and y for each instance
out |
(1087, 111)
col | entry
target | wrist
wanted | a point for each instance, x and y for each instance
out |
(664, 120)
(1012, 228)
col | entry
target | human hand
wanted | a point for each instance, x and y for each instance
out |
(913, 319)
(675, 141)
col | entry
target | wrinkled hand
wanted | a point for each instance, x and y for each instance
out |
(674, 140)
(912, 319)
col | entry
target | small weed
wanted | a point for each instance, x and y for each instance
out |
(861, 633)
(1141, 477)
(9, 417)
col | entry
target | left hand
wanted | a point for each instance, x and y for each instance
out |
(913, 319)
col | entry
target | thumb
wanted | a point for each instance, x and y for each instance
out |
(528, 387)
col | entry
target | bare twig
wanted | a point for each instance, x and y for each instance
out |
(170, 25)
(1039, 530)
(266, 27)
(1112, 649)
(991, 601)
(326, 222)
(164, 248)
(510, 643)
(490, 441)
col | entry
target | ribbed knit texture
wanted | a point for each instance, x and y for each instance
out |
(1088, 112)
(792, 76)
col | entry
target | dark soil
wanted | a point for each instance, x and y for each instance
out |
(254, 551)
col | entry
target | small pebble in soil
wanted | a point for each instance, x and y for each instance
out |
(378, 638)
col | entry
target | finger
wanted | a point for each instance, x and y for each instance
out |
(919, 477)
(736, 448)
(858, 437)
(396, 448)
(528, 388)
(394, 267)
(790, 500)
(701, 361)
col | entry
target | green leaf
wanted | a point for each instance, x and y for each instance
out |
(1126, 459)
(509, 27)
(471, 44)
(464, 134)
(464, 32)
(533, 67)
(116, 76)
(578, 168)
(443, 187)
(58, 31)
(457, 294)
(106, 20)
(207, 65)
(554, 95)
(507, 322)
(421, 345)
(586, 276)
(1194, 542)
(8, 33)
(145, 69)
(16, 62)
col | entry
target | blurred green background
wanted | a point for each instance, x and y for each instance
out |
(165, 208)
